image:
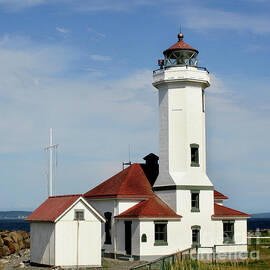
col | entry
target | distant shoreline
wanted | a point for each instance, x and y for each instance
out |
(14, 215)
(13, 218)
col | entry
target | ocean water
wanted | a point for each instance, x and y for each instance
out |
(14, 225)
(20, 224)
(258, 223)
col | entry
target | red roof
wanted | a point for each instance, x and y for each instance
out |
(180, 45)
(223, 211)
(150, 208)
(129, 183)
(52, 208)
(219, 196)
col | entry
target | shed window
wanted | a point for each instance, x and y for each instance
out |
(195, 201)
(194, 152)
(79, 215)
(108, 227)
(195, 236)
(161, 233)
(228, 231)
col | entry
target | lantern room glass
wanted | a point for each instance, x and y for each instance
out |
(181, 58)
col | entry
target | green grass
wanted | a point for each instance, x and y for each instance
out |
(105, 264)
(262, 263)
(246, 265)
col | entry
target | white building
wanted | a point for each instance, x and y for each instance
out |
(184, 210)
(66, 231)
(155, 209)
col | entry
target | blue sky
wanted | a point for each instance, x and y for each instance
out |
(84, 67)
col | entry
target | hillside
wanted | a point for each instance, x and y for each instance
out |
(14, 214)
(261, 215)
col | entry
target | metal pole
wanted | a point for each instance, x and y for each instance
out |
(51, 164)
(78, 235)
(215, 256)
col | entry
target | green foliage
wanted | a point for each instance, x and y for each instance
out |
(232, 265)
(104, 264)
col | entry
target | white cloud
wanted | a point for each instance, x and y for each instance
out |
(98, 35)
(201, 18)
(79, 5)
(101, 58)
(62, 30)
(236, 136)
(217, 85)
(94, 120)
(103, 5)
(14, 5)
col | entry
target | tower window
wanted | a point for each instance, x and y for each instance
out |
(203, 100)
(161, 233)
(194, 151)
(195, 201)
(195, 236)
(108, 226)
(228, 231)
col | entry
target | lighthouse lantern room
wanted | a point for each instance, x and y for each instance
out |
(180, 54)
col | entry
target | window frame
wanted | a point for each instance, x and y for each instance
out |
(196, 162)
(196, 228)
(195, 208)
(203, 100)
(228, 239)
(81, 211)
(108, 228)
(164, 241)
(144, 238)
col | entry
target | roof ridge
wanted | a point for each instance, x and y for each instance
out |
(60, 196)
(220, 195)
(155, 205)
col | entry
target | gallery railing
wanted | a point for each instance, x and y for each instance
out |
(161, 69)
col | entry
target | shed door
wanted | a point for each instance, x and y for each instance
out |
(128, 236)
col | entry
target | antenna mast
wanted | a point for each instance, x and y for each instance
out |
(129, 161)
(51, 148)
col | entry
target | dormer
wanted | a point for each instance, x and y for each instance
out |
(219, 197)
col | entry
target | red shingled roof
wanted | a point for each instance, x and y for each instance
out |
(52, 208)
(150, 208)
(219, 196)
(129, 183)
(223, 211)
(180, 45)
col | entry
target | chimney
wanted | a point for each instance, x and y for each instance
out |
(151, 167)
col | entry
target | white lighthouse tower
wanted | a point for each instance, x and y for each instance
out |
(182, 180)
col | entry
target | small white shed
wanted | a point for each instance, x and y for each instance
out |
(66, 231)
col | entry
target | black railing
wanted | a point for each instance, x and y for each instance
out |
(187, 66)
(190, 254)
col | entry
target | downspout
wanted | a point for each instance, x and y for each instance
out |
(78, 228)
(50, 240)
(54, 245)
(115, 230)
(115, 238)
